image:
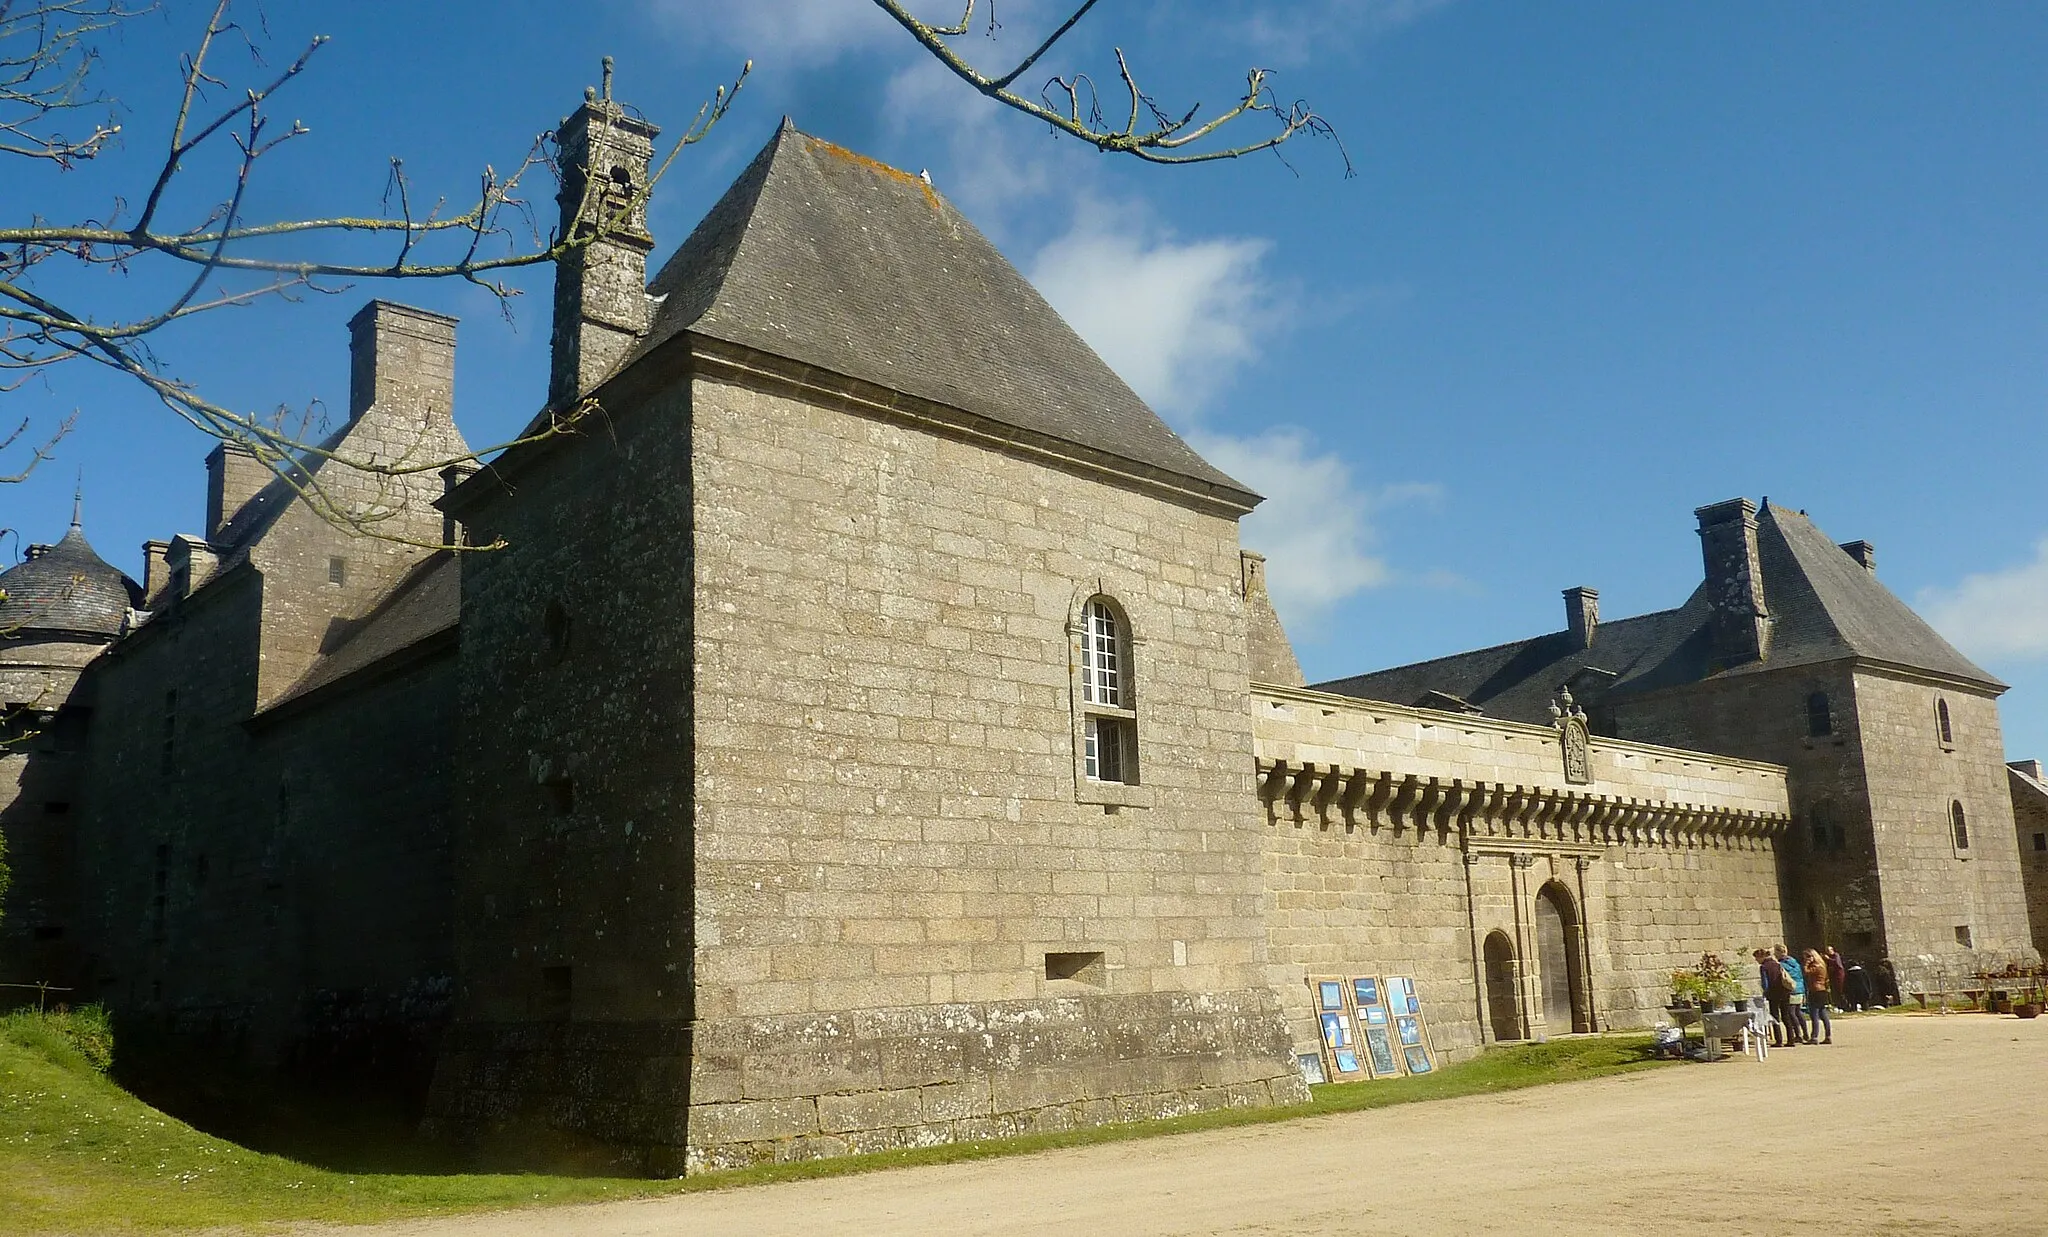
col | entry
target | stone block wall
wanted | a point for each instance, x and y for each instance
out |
(1831, 881)
(277, 890)
(2030, 818)
(888, 817)
(45, 720)
(1665, 855)
(1933, 890)
(825, 823)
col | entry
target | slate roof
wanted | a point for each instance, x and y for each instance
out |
(1824, 607)
(2025, 783)
(66, 588)
(825, 257)
(425, 603)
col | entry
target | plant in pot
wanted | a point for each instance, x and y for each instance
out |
(1710, 985)
(1687, 988)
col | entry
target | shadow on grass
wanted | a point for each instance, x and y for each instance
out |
(350, 1127)
(345, 1121)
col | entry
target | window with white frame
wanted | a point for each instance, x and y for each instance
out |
(1109, 722)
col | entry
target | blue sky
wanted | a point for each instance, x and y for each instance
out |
(1602, 263)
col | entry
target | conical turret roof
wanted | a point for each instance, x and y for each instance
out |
(65, 589)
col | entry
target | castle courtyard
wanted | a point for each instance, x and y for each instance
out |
(1918, 1124)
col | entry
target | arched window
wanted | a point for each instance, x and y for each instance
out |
(1819, 719)
(1959, 829)
(1106, 703)
(1942, 730)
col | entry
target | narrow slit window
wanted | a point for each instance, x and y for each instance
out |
(168, 757)
(1820, 719)
(1942, 729)
(337, 571)
(1959, 827)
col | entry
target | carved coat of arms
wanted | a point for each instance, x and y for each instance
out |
(1570, 720)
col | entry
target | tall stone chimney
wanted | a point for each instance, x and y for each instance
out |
(402, 362)
(1864, 553)
(1741, 625)
(601, 305)
(233, 477)
(1582, 614)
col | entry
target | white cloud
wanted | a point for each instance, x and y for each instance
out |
(791, 31)
(1315, 527)
(1294, 30)
(1998, 613)
(1178, 319)
(1175, 319)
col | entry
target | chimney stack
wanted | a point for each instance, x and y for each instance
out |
(1582, 614)
(401, 361)
(1741, 625)
(601, 306)
(233, 477)
(2032, 768)
(1864, 553)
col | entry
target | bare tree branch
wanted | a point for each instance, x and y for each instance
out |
(45, 58)
(1149, 133)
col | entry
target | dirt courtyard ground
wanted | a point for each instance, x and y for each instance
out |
(1917, 1124)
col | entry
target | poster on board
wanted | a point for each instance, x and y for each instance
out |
(1380, 1047)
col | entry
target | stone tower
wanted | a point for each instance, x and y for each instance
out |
(601, 305)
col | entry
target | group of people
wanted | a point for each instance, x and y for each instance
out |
(1799, 992)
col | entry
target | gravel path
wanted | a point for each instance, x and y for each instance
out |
(1924, 1124)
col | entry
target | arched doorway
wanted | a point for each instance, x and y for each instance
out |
(1557, 950)
(1503, 1010)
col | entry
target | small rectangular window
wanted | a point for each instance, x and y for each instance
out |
(557, 989)
(2041, 841)
(1819, 718)
(337, 571)
(1086, 968)
(1963, 936)
(56, 809)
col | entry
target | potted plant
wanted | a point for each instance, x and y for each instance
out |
(1710, 985)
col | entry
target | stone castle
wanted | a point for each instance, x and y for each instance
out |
(875, 735)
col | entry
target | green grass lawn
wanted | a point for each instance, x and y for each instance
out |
(80, 1155)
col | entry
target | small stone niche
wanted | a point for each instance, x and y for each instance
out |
(1081, 968)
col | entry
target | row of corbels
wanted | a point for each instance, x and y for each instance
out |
(1398, 801)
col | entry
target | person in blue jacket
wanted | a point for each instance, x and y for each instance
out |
(1797, 1000)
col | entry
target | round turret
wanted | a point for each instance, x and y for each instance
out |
(65, 590)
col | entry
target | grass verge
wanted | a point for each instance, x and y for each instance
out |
(80, 1155)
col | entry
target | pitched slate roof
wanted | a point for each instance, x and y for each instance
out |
(65, 588)
(825, 257)
(425, 603)
(1824, 606)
